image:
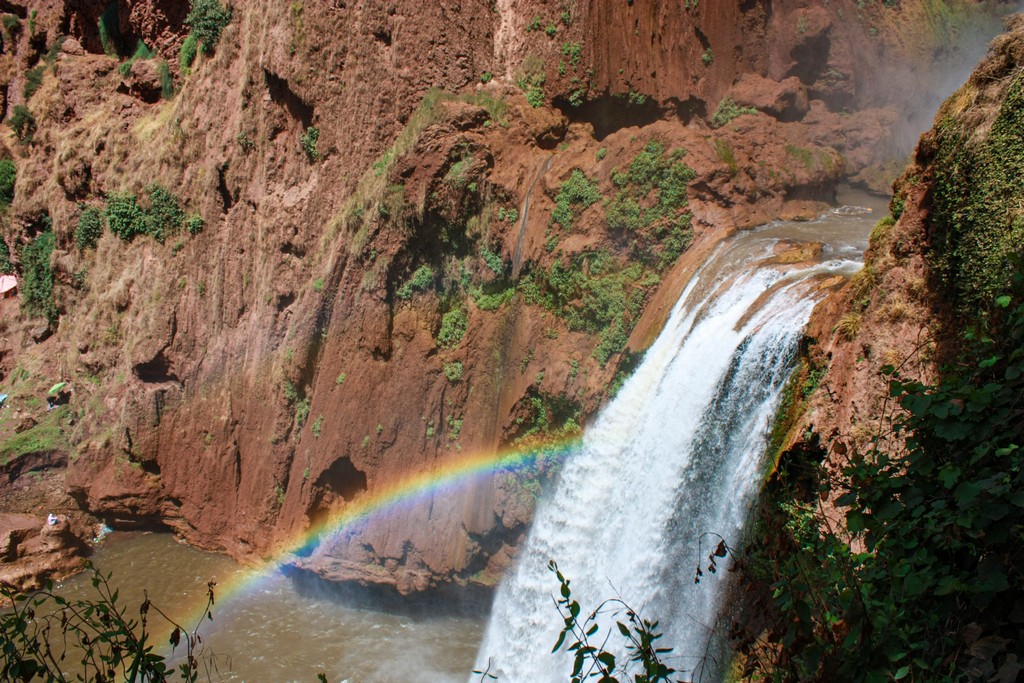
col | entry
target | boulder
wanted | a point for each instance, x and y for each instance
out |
(785, 100)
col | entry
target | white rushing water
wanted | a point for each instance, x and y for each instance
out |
(675, 455)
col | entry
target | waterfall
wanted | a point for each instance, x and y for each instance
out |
(677, 454)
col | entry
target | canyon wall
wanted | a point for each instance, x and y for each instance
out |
(390, 203)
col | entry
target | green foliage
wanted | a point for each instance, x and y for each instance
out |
(23, 123)
(580, 635)
(651, 205)
(41, 631)
(595, 294)
(90, 228)
(206, 21)
(975, 181)
(575, 194)
(302, 411)
(493, 260)
(573, 52)
(6, 267)
(317, 426)
(37, 278)
(727, 111)
(33, 80)
(456, 178)
(422, 279)
(492, 300)
(309, 141)
(163, 71)
(194, 224)
(535, 96)
(8, 176)
(708, 57)
(110, 29)
(124, 216)
(454, 324)
(11, 24)
(486, 77)
(187, 53)
(453, 371)
(142, 51)
(164, 216)
(936, 506)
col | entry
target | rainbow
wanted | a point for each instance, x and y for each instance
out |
(458, 473)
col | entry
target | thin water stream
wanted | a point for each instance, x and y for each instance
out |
(636, 465)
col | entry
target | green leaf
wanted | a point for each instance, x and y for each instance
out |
(901, 672)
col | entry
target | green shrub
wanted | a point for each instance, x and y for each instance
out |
(492, 301)
(206, 21)
(37, 278)
(194, 224)
(578, 192)
(142, 51)
(421, 280)
(727, 111)
(124, 216)
(33, 79)
(486, 77)
(535, 96)
(308, 141)
(164, 217)
(453, 371)
(90, 228)
(493, 261)
(454, 324)
(302, 411)
(6, 267)
(8, 175)
(187, 53)
(166, 80)
(11, 25)
(23, 123)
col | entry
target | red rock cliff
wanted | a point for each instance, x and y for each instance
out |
(292, 361)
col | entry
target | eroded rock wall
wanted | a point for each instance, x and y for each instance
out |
(285, 367)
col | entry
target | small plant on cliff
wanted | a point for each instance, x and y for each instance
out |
(90, 228)
(206, 21)
(124, 216)
(420, 281)
(8, 175)
(309, 141)
(453, 371)
(576, 193)
(110, 29)
(194, 224)
(454, 324)
(5, 258)
(37, 276)
(164, 216)
(727, 111)
(187, 53)
(23, 123)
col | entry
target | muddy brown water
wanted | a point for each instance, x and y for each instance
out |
(281, 628)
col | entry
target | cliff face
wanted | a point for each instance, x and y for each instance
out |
(378, 290)
(872, 461)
